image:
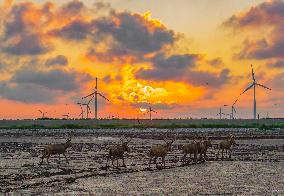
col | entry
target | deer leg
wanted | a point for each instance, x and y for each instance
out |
(47, 158)
(65, 157)
(150, 161)
(123, 162)
(230, 151)
(107, 161)
(155, 161)
(218, 154)
(43, 156)
(164, 161)
(59, 157)
(112, 160)
(195, 157)
(183, 158)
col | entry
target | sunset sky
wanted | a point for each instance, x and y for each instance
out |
(185, 58)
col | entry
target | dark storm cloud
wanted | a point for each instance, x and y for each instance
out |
(216, 62)
(180, 68)
(277, 82)
(180, 61)
(73, 8)
(277, 64)
(29, 93)
(19, 36)
(200, 78)
(14, 24)
(168, 68)
(133, 32)
(77, 30)
(265, 13)
(58, 60)
(268, 14)
(27, 45)
(53, 79)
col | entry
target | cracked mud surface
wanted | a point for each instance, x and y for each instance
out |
(256, 166)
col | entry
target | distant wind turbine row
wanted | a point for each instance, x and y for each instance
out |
(86, 101)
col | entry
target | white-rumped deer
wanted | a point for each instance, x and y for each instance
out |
(53, 149)
(117, 151)
(190, 149)
(226, 145)
(160, 151)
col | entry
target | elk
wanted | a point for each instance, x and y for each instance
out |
(226, 145)
(160, 151)
(203, 147)
(190, 149)
(117, 151)
(53, 149)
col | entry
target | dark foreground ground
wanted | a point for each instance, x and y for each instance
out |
(256, 166)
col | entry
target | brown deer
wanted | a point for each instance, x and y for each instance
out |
(53, 149)
(190, 149)
(226, 145)
(117, 152)
(203, 147)
(160, 151)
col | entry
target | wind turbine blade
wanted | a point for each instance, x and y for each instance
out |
(235, 102)
(89, 95)
(247, 88)
(252, 73)
(103, 97)
(263, 86)
(91, 99)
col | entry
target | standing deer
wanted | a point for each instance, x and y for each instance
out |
(117, 152)
(203, 147)
(190, 149)
(160, 151)
(226, 145)
(53, 149)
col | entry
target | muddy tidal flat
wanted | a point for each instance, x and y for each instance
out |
(255, 168)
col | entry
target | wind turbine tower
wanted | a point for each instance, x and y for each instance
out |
(254, 84)
(96, 99)
(95, 95)
(150, 112)
(233, 109)
(42, 113)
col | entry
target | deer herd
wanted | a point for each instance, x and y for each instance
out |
(116, 152)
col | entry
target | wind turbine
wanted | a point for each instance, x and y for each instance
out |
(82, 111)
(233, 109)
(42, 113)
(66, 116)
(220, 113)
(88, 108)
(150, 112)
(253, 85)
(95, 95)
